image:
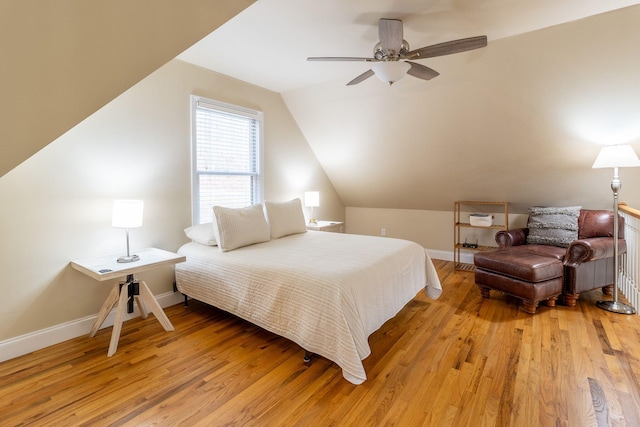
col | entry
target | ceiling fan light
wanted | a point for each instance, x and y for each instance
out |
(390, 71)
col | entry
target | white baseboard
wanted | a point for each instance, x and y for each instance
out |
(37, 340)
(448, 256)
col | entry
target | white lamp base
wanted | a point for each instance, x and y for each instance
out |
(616, 307)
(128, 258)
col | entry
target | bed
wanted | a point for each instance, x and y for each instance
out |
(327, 292)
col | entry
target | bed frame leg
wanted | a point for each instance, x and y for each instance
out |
(307, 356)
(175, 289)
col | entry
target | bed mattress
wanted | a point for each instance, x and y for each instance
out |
(325, 291)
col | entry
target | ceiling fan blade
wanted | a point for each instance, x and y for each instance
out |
(390, 33)
(421, 72)
(361, 77)
(339, 58)
(447, 48)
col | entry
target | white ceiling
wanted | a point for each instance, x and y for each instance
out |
(268, 43)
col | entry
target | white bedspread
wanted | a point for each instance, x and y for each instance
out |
(325, 291)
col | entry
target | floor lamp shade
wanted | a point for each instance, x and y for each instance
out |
(616, 156)
(127, 214)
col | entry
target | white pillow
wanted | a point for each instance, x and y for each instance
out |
(285, 218)
(236, 228)
(202, 233)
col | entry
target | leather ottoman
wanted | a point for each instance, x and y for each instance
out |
(530, 272)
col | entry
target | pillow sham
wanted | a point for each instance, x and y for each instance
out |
(285, 218)
(554, 226)
(202, 233)
(235, 228)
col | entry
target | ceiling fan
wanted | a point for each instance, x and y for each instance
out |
(391, 54)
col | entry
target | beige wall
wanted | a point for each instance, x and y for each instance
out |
(56, 206)
(431, 229)
(521, 120)
(498, 124)
(62, 60)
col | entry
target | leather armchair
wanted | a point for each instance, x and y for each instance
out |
(588, 261)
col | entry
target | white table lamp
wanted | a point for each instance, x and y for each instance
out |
(616, 156)
(312, 200)
(127, 214)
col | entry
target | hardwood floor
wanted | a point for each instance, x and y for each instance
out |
(457, 361)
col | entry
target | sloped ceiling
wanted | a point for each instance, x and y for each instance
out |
(521, 120)
(268, 43)
(63, 60)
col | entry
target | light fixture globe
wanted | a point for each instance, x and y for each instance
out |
(390, 71)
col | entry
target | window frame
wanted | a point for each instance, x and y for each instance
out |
(257, 195)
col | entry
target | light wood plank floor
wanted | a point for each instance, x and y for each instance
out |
(457, 361)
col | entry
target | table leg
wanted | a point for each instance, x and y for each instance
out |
(148, 298)
(111, 300)
(143, 312)
(119, 295)
(117, 323)
(133, 292)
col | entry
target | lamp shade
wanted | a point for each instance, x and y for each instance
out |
(390, 71)
(127, 213)
(616, 156)
(312, 199)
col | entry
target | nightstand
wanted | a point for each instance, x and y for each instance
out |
(124, 293)
(333, 226)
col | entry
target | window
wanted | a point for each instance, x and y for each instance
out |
(226, 157)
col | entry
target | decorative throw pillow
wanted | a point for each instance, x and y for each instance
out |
(202, 233)
(235, 228)
(554, 226)
(285, 218)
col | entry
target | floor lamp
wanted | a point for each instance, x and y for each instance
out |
(616, 156)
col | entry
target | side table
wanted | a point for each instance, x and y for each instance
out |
(332, 226)
(124, 293)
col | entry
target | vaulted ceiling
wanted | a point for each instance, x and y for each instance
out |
(520, 120)
(268, 43)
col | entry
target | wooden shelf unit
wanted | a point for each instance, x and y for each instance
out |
(459, 226)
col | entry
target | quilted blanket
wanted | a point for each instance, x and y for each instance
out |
(327, 292)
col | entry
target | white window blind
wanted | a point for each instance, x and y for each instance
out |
(227, 158)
